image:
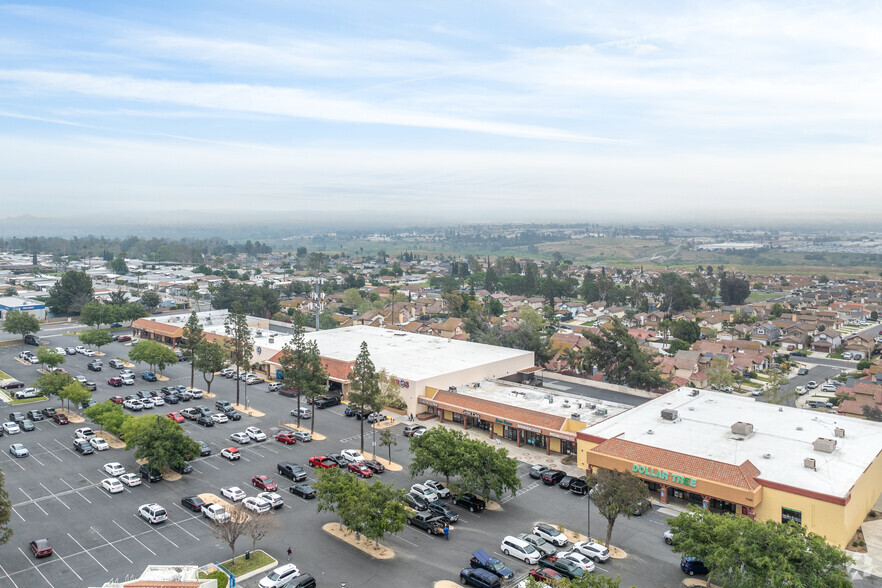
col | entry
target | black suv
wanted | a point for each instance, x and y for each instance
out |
(82, 446)
(470, 501)
(326, 401)
(232, 414)
(150, 474)
(94, 367)
(290, 470)
(578, 486)
(553, 477)
(32, 340)
(35, 415)
(565, 567)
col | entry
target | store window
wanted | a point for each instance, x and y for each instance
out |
(791, 516)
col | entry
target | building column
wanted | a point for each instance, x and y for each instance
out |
(441, 415)
(519, 437)
(491, 431)
(663, 493)
(547, 445)
(705, 502)
(465, 422)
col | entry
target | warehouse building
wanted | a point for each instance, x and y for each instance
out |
(732, 454)
(7, 303)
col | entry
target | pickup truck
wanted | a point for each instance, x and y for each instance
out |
(215, 512)
(429, 522)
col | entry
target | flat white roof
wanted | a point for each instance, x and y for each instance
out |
(537, 399)
(784, 434)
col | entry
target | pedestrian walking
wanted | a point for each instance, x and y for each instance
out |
(289, 553)
(447, 532)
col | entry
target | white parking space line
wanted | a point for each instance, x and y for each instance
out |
(19, 515)
(53, 494)
(15, 461)
(405, 540)
(133, 537)
(5, 573)
(77, 491)
(34, 502)
(35, 566)
(163, 536)
(94, 530)
(68, 566)
(88, 552)
(179, 525)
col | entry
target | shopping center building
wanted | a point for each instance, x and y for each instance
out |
(733, 454)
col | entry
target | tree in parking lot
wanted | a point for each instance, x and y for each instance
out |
(618, 493)
(239, 343)
(96, 338)
(19, 322)
(153, 353)
(485, 469)
(190, 342)
(234, 529)
(74, 392)
(337, 491)
(365, 392)
(49, 357)
(5, 512)
(53, 383)
(210, 358)
(743, 553)
(70, 293)
(109, 415)
(387, 439)
(159, 440)
(259, 527)
(439, 450)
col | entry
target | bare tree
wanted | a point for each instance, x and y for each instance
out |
(232, 530)
(261, 525)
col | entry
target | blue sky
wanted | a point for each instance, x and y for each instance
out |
(567, 110)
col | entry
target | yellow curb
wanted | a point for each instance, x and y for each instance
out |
(160, 378)
(171, 476)
(315, 436)
(248, 411)
(208, 394)
(125, 363)
(366, 546)
(389, 465)
(491, 504)
(42, 371)
(445, 584)
(112, 440)
(100, 353)
(21, 361)
(388, 423)
(71, 416)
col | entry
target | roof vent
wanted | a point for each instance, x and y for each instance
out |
(693, 393)
(799, 428)
(825, 445)
(691, 408)
(839, 432)
(650, 432)
(767, 456)
(810, 463)
(780, 409)
(742, 428)
(669, 414)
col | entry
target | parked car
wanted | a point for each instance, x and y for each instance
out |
(152, 513)
(193, 503)
(553, 477)
(279, 577)
(285, 437)
(428, 522)
(352, 455)
(274, 499)
(40, 548)
(82, 446)
(234, 493)
(112, 485)
(374, 466)
(549, 533)
(258, 505)
(264, 483)
(116, 364)
(302, 436)
(60, 419)
(693, 565)
(469, 501)
(148, 473)
(440, 489)
(302, 490)
(148, 376)
(240, 437)
(409, 430)
(424, 492)
(537, 470)
(480, 578)
(415, 502)
(292, 471)
(94, 366)
(579, 486)
(182, 468)
(519, 549)
(231, 453)
(130, 479)
(255, 434)
(35, 415)
(115, 381)
(26, 393)
(359, 469)
(18, 450)
(442, 510)
(592, 549)
(542, 546)
(565, 567)
(482, 560)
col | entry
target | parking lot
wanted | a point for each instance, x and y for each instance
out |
(97, 536)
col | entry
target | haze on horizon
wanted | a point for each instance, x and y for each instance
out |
(560, 110)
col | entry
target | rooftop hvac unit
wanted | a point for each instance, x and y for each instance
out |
(741, 428)
(550, 399)
(576, 416)
(810, 463)
(839, 432)
(767, 456)
(669, 414)
(452, 389)
(825, 445)
(693, 393)
(272, 340)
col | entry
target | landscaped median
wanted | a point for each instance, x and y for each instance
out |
(389, 465)
(376, 551)
(257, 562)
(315, 436)
(249, 411)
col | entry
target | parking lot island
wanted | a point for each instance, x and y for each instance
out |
(365, 545)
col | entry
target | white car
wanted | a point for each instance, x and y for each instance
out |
(130, 480)
(152, 513)
(256, 434)
(258, 505)
(11, 428)
(801, 391)
(275, 500)
(60, 351)
(424, 492)
(196, 392)
(828, 388)
(84, 433)
(549, 533)
(592, 549)
(219, 417)
(115, 469)
(438, 487)
(18, 450)
(26, 393)
(112, 485)
(234, 493)
(669, 537)
(81, 379)
(80, 349)
(127, 381)
(240, 438)
(99, 444)
(583, 561)
(126, 374)
(147, 403)
(279, 577)
(89, 353)
(231, 453)
(158, 401)
(29, 357)
(352, 455)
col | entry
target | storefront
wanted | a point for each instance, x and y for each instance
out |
(524, 427)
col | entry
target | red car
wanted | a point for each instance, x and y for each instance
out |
(286, 438)
(264, 483)
(360, 469)
(115, 381)
(322, 461)
(546, 575)
(117, 399)
(123, 338)
(176, 417)
(60, 419)
(41, 548)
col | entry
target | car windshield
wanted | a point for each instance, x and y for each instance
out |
(495, 565)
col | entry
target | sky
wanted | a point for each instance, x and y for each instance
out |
(562, 110)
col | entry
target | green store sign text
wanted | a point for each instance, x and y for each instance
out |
(656, 473)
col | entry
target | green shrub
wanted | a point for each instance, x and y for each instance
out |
(216, 575)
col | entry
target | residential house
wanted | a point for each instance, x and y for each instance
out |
(766, 333)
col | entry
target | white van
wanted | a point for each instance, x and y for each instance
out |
(847, 355)
(279, 576)
(520, 549)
